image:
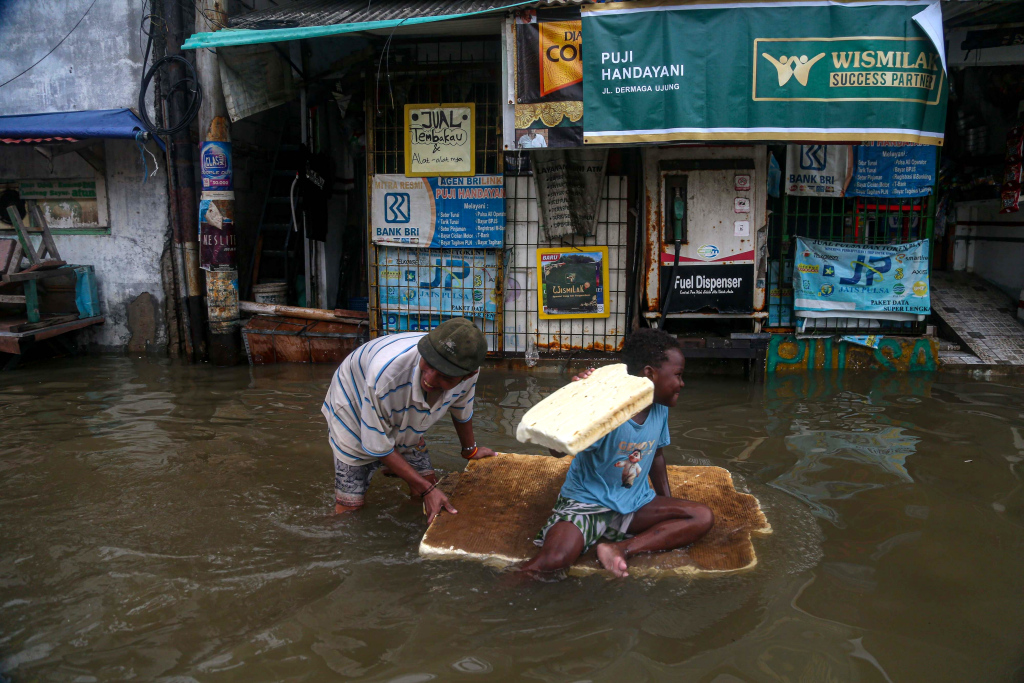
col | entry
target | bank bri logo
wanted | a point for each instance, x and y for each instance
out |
(397, 207)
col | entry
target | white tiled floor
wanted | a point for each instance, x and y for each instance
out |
(982, 316)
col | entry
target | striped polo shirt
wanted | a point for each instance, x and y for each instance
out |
(376, 404)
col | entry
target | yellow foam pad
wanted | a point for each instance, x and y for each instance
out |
(504, 501)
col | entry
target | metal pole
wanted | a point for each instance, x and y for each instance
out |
(218, 247)
(181, 176)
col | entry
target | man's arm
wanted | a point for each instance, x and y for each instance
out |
(659, 475)
(435, 501)
(466, 439)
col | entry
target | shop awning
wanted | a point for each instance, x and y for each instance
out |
(320, 18)
(71, 126)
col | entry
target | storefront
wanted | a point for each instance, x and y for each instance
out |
(662, 176)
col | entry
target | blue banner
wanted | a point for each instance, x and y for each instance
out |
(847, 278)
(893, 169)
(414, 281)
(449, 213)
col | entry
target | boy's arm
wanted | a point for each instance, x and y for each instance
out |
(659, 475)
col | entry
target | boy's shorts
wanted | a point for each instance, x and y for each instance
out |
(351, 481)
(595, 521)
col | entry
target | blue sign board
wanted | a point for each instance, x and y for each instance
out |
(413, 281)
(451, 213)
(849, 278)
(893, 170)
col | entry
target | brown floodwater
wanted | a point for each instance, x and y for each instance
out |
(173, 523)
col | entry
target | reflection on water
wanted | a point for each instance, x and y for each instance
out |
(174, 523)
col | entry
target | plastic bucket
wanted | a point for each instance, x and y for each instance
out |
(271, 293)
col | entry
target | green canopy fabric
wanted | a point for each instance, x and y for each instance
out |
(228, 36)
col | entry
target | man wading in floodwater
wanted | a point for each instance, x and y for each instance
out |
(387, 393)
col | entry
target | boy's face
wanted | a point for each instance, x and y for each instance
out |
(667, 378)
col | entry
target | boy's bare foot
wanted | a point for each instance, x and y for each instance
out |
(613, 558)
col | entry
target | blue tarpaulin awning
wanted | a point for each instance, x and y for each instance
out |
(74, 125)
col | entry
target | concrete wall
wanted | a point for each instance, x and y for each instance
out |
(98, 66)
(999, 262)
(128, 260)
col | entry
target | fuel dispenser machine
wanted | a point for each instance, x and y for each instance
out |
(706, 232)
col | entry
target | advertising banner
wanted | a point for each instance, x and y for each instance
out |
(549, 79)
(725, 288)
(893, 170)
(419, 281)
(835, 277)
(440, 140)
(453, 213)
(817, 170)
(811, 71)
(572, 282)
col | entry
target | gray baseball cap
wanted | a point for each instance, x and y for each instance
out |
(455, 348)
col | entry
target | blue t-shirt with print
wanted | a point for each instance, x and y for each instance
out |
(613, 472)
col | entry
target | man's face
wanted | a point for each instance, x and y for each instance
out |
(432, 380)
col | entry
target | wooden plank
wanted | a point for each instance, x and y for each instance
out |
(6, 253)
(32, 301)
(26, 243)
(12, 298)
(47, 246)
(48, 322)
(53, 330)
(35, 275)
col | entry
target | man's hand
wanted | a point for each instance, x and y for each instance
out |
(481, 453)
(434, 502)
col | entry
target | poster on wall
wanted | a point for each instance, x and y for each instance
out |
(815, 71)
(893, 170)
(216, 170)
(818, 170)
(412, 281)
(569, 184)
(440, 140)
(839, 278)
(217, 243)
(549, 79)
(64, 203)
(572, 282)
(451, 213)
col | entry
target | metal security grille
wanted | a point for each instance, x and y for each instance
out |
(524, 331)
(855, 220)
(428, 72)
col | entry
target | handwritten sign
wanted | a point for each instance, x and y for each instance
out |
(440, 140)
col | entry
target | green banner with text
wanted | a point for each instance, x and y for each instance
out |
(808, 71)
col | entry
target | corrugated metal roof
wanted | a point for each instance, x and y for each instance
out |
(305, 13)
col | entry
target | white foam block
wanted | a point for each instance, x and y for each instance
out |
(580, 413)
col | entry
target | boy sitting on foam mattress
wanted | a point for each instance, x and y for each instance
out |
(607, 499)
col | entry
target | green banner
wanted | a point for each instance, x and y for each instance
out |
(809, 71)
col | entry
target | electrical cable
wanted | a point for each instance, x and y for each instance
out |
(51, 49)
(195, 89)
